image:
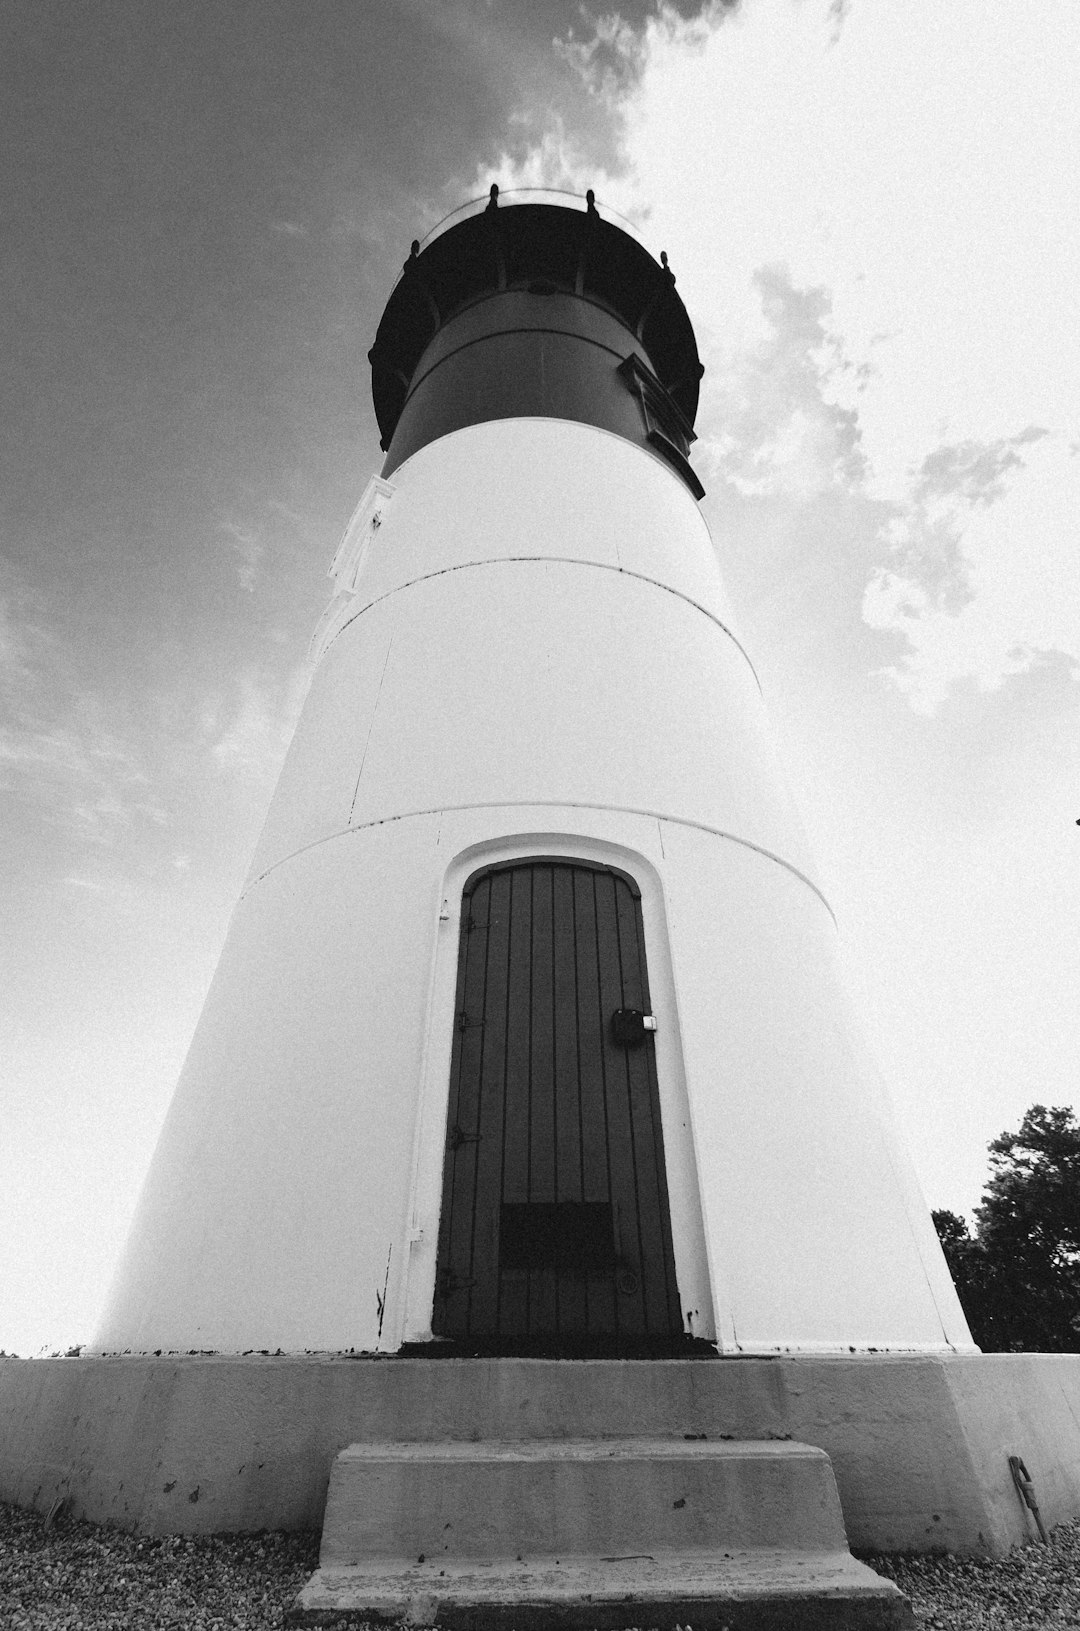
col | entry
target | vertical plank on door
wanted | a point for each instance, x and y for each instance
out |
(514, 1286)
(484, 1291)
(569, 1186)
(601, 1308)
(543, 1304)
(630, 1300)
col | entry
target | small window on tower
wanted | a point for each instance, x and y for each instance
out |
(666, 426)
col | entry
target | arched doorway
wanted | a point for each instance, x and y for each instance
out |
(555, 1232)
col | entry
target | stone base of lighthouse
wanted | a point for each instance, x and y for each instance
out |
(583, 1534)
(919, 1444)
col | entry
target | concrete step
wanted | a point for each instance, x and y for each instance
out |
(591, 1533)
(754, 1590)
(582, 1496)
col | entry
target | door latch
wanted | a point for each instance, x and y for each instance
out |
(629, 1027)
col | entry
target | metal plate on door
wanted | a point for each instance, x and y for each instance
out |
(629, 1027)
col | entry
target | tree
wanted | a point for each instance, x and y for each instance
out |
(972, 1272)
(1018, 1275)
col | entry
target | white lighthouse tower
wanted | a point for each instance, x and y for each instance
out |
(528, 1034)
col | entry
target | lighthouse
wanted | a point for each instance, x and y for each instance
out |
(529, 1214)
(528, 1034)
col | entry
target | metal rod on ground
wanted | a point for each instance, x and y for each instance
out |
(1022, 1479)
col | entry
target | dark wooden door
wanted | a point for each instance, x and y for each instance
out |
(555, 1221)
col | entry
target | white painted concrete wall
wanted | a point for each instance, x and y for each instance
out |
(531, 652)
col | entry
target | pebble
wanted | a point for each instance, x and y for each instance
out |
(1035, 1588)
(77, 1576)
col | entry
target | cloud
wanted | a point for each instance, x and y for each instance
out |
(838, 12)
(955, 587)
(974, 471)
(58, 754)
(770, 420)
(608, 60)
(569, 121)
(981, 578)
(141, 781)
(248, 731)
(247, 547)
(928, 568)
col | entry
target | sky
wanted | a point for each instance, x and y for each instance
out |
(871, 209)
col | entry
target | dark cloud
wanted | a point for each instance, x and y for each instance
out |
(150, 153)
(607, 49)
(205, 206)
(63, 761)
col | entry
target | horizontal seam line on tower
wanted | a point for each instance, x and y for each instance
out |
(546, 804)
(562, 560)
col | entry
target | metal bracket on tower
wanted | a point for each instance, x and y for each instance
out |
(348, 562)
(491, 216)
(365, 519)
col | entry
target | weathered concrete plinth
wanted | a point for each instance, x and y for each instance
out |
(919, 1445)
(589, 1496)
(593, 1532)
(756, 1590)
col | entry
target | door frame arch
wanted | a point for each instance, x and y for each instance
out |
(418, 1270)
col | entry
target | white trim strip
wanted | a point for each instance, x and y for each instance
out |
(562, 560)
(548, 804)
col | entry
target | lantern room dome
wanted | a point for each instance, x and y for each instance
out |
(525, 244)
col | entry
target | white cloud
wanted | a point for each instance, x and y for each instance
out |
(248, 732)
(58, 753)
(555, 161)
(770, 421)
(985, 576)
(873, 216)
(247, 546)
(921, 167)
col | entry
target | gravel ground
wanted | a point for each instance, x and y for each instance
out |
(79, 1577)
(1034, 1586)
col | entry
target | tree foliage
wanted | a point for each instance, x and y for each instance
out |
(1018, 1273)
